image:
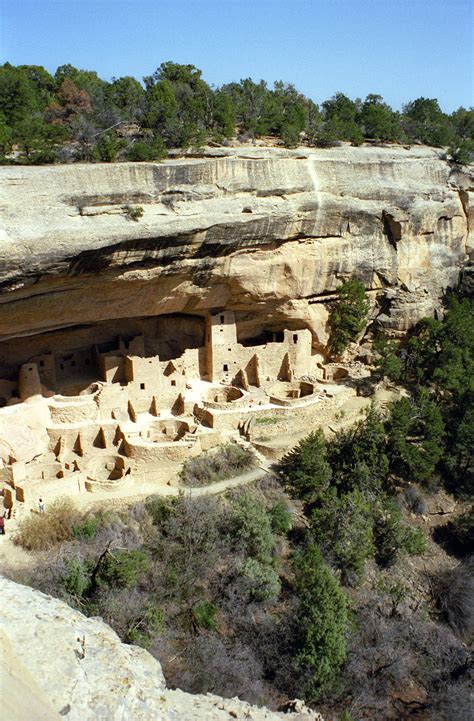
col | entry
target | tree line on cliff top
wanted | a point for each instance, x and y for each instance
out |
(75, 115)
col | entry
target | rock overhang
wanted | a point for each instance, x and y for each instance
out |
(253, 229)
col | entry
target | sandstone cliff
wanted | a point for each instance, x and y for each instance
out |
(57, 664)
(269, 233)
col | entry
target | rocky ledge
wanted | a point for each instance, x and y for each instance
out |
(268, 233)
(58, 664)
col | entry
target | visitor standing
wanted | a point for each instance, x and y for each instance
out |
(2, 525)
(41, 506)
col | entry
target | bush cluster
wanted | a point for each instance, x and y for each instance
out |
(432, 432)
(43, 532)
(227, 461)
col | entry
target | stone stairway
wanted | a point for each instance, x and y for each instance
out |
(262, 462)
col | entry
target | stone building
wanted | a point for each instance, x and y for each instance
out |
(123, 408)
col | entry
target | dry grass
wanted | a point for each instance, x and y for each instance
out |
(40, 533)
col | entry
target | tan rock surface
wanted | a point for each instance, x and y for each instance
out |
(269, 231)
(56, 663)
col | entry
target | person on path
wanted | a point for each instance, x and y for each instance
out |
(2, 526)
(41, 506)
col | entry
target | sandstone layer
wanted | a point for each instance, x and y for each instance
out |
(267, 233)
(58, 664)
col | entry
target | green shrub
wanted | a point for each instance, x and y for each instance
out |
(159, 509)
(343, 526)
(268, 421)
(322, 621)
(42, 532)
(122, 568)
(461, 150)
(133, 212)
(229, 460)
(462, 531)
(142, 151)
(388, 363)
(280, 518)
(305, 470)
(88, 527)
(392, 537)
(204, 615)
(415, 543)
(347, 316)
(358, 456)
(77, 579)
(262, 580)
(107, 147)
(147, 625)
(253, 528)
(415, 432)
(346, 716)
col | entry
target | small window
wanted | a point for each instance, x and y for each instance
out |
(173, 383)
(87, 361)
(61, 365)
(142, 386)
(222, 318)
(41, 364)
(73, 363)
(295, 338)
(226, 367)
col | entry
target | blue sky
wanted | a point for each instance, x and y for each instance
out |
(401, 49)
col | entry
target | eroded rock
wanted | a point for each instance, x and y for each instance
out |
(58, 664)
(262, 231)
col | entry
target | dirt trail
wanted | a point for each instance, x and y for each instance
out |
(15, 557)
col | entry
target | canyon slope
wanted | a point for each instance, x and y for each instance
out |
(266, 232)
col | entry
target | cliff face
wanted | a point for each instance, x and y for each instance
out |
(267, 233)
(57, 664)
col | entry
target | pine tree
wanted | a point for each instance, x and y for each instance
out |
(305, 470)
(347, 316)
(322, 622)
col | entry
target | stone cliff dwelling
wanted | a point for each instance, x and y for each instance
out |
(113, 410)
(126, 347)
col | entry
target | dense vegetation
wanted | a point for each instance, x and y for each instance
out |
(75, 115)
(432, 431)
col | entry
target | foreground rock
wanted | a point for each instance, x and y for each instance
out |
(58, 664)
